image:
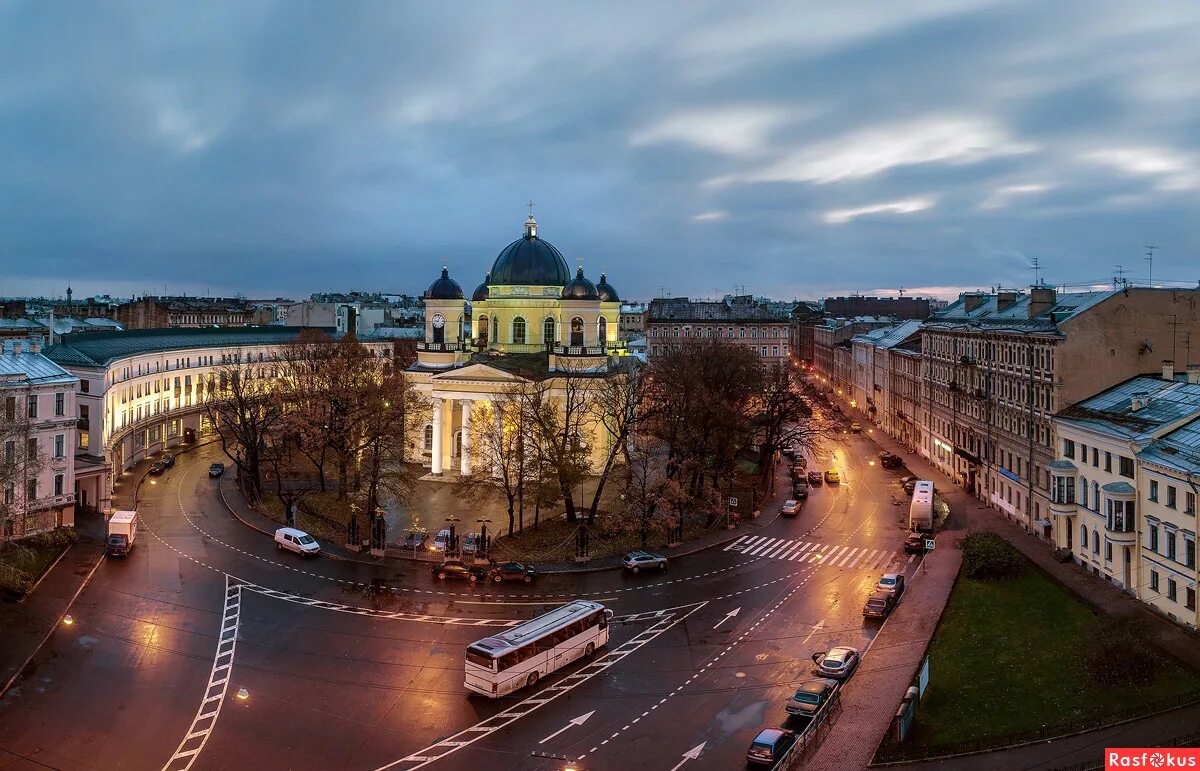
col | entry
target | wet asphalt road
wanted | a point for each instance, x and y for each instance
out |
(331, 688)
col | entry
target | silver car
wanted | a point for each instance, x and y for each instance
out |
(637, 561)
(839, 662)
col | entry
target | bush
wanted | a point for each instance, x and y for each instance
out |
(1121, 655)
(988, 557)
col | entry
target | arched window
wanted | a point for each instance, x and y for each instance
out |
(548, 331)
(496, 329)
(1083, 537)
(1083, 491)
(602, 329)
(439, 328)
(1095, 496)
(482, 326)
(576, 331)
(462, 329)
(518, 331)
(1095, 542)
(428, 437)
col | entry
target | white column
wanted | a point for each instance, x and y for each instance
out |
(466, 437)
(437, 437)
(497, 470)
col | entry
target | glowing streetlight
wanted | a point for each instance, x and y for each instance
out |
(68, 620)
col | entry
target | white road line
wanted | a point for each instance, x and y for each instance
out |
(762, 547)
(782, 548)
(803, 550)
(849, 556)
(210, 707)
(473, 734)
(735, 543)
(796, 545)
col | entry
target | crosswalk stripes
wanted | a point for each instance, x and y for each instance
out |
(812, 553)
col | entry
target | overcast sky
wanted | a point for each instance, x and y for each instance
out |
(291, 147)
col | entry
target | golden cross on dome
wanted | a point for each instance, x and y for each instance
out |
(531, 204)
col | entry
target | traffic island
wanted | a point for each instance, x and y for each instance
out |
(1021, 659)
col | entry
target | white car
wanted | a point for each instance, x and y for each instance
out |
(790, 508)
(839, 663)
(296, 540)
(441, 542)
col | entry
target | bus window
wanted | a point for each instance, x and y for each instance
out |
(601, 620)
(487, 662)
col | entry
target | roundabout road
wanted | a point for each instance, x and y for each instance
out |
(338, 676)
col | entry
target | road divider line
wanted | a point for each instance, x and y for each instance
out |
(196, 737)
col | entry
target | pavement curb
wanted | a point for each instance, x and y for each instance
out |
(252, 526)
(57, 621)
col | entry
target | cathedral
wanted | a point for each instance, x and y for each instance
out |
(529, 320)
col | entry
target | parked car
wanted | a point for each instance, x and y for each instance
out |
(855, 428)
(838, 662)
(414, 540)
(790, 508)
(798, 471)
(157, 469)
(470, 544)
(914, 543)
(458, 569)
(888, 460)
(216, 470)
(811, 697)
(296, 540)
(168, 460)
(769, 746)
(637, 561)
(800, 488)
(832, 476)
(513, 571)
(879, 605)
(815, 477)
(441, 541)
(892, 583)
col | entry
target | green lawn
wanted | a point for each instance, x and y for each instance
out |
(1007, 658)
(22, 562)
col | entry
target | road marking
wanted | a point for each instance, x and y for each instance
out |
(731, 614)
(736, 543)
(760, 548)
(218, 678)
(544, 602)
(816, 628)
(470, 735)
(575, 721)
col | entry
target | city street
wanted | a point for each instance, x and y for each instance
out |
(337, 675)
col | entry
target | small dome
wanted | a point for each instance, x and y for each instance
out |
(530, 260)
(445, 288)
(481, 292)
(580, 288)
(606, 291)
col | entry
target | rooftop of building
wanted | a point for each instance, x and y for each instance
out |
(22, 324)
(19, 365)
(1012, 309)
(183, 303)
(1179, 449)
(681, 309)
(890, 337)
(98, 349)
(1136, 408)
(392, 333)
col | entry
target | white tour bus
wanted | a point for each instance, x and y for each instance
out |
(498, 665)
(920, 511)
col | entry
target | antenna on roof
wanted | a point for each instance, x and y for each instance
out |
(1150, 262)
(1119, 278)
(1037, 272)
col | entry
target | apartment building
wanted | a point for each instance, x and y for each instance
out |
(998, 366)
(669, 321)
(1123, 487)
(886, 379)
(805, 317)
(832, 360)
(37, 437)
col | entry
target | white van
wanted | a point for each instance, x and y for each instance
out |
(441, 541)
(296, 540)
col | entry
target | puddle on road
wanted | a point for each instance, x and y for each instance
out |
(731, 720)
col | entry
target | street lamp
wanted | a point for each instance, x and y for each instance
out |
(453, 544)
(483, 536)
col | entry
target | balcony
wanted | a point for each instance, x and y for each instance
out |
(82, 424)
(580, 350)
(440, 347)
(967, 361)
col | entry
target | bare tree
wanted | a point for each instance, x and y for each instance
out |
(20, 461)
(244, 408)
(782, 414)
(502, 453)
(620, 405)
(558, 414)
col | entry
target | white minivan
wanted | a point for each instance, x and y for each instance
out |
(296, 540)
(441, 542)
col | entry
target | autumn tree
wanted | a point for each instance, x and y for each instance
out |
(502, 453)
(244, 408)
(619, 405)
(560, 418)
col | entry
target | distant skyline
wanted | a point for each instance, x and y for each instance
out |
(285, 148)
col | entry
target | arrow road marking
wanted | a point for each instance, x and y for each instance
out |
(728, 616)
(691, 754)
(572, 722)
(816, 628)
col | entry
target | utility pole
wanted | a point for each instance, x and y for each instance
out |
(1037, 272)
(1119, 277)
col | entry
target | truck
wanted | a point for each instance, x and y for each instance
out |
(920, 511)
(122, 532)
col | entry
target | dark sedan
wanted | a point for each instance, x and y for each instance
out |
(167, 460)
(157, 469)
(458, 569)
(216, 470)
(513, 571)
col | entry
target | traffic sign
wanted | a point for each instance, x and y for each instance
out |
(733, 501)
(929, 544)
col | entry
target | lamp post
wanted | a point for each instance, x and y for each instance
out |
(352, 540)
(378, 533)
(482, 547)
(452, 542)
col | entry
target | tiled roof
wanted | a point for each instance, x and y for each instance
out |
(1167, 401)
(97, 349)
(393, 333)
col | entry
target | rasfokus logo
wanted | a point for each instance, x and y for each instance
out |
(1151, 757)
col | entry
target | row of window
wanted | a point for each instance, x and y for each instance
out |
(31, 448)
(1124, 464)
(32, 410)
(1189, 506)
(1171, 543)
(551, 641)
(31, 489)
(764, 350)
(755, 332)
(1173, 590)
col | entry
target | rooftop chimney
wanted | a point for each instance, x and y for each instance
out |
(351, 322)
(1041, 299)
(972, 301)
(1005, 299)
(1193, 374)
(1168, 369)
(1138, 401)
(16, 347)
